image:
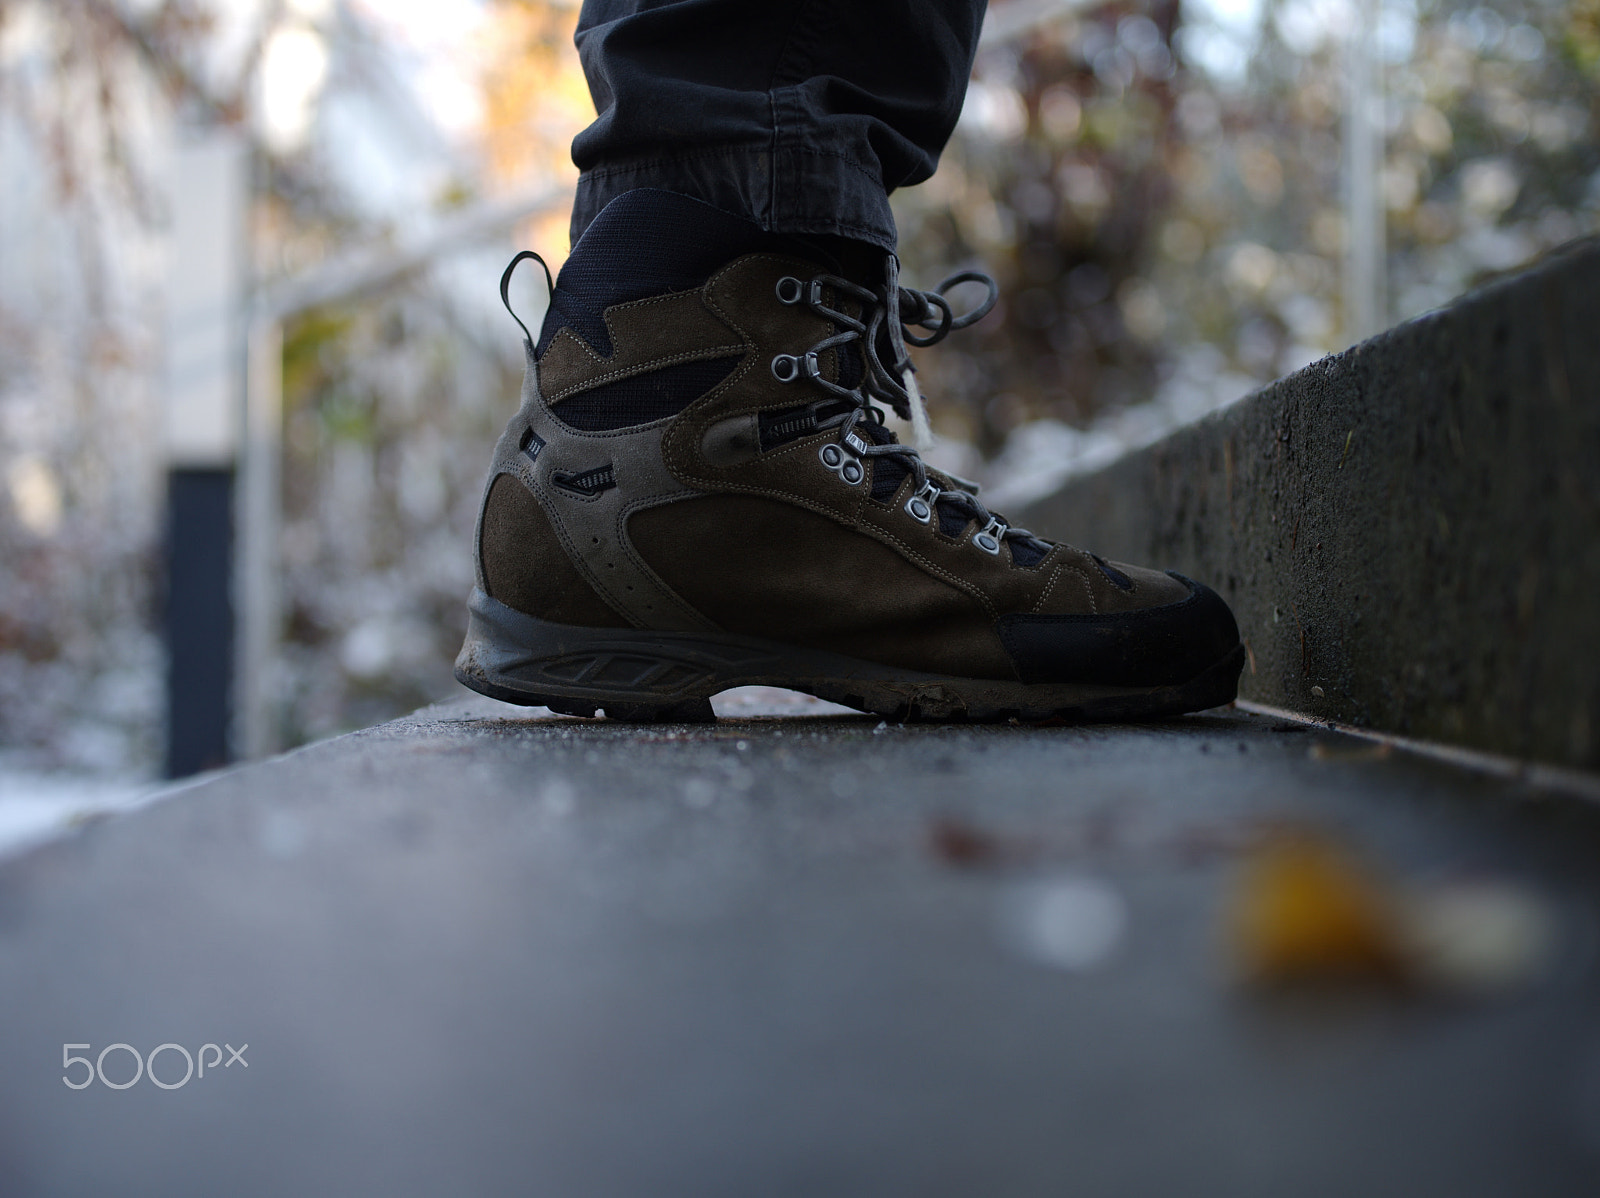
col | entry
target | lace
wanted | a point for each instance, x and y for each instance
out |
(893, 383)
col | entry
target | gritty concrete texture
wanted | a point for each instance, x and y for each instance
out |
(1409, 532)
(485, 951)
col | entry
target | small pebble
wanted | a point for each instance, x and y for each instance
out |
(1068, 923)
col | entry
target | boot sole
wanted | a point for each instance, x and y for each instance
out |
(644, 676)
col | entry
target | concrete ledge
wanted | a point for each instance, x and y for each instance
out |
(485, 951)
(1409, 531)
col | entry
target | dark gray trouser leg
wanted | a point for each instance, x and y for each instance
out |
(802, 115)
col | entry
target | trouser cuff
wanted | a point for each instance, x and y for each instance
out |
(792, 190)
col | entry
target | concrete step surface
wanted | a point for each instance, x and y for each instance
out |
(485, 950)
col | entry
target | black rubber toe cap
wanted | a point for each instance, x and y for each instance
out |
(1158, 646)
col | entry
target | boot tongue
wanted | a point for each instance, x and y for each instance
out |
(876, 433)
(887, 472)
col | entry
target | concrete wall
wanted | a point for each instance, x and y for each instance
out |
(1411, 527)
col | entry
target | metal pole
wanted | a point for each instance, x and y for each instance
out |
(1020, 18)
(1365, 306)
(257, 595)
(205, 290)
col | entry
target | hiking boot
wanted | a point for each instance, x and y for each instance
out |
(699, 492)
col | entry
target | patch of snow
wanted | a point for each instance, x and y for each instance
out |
(37, 806)
(745, 702)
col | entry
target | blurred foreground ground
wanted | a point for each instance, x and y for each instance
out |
(484, 950)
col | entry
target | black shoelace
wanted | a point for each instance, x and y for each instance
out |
(892, 384)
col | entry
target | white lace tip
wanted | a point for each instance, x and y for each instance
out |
(921, 430)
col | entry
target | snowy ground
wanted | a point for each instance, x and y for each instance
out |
(36, 806)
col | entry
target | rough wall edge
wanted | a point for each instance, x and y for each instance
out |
(1409, 531)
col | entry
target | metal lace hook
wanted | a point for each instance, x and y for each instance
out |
(505, 288)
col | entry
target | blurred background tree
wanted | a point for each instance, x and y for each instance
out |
(83, 89)
(1160, 192)
(392, 401)
(1055, 183)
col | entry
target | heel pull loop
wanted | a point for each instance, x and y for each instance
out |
(505, 288)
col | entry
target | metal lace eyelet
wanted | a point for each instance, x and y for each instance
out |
(786, 368)
(989, 539)
(790, 290)
(848, 468)
(920, 506)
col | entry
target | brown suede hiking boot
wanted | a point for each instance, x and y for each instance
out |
(697, 493)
